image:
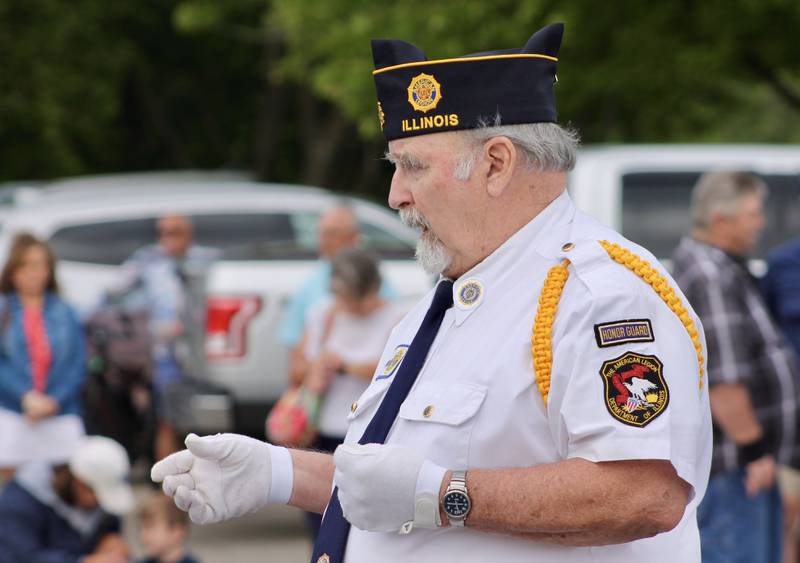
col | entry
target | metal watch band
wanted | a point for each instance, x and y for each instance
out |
(458, 482)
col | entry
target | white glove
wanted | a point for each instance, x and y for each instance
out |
(224, 476)
(385, 488)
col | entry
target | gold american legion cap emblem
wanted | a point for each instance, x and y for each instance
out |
(424, 92)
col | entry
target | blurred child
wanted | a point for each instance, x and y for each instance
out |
(163, 530)
(68, 513)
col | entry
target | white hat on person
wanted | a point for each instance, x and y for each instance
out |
(103, 465)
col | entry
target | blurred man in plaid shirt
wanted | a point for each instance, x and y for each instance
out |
(752, 372)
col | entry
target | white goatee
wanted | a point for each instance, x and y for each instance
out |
(431, 252)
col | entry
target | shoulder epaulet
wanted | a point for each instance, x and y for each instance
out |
(541, 337)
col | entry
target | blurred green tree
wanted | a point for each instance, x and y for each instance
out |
(631, 71)
(58, 97)
(684, 71)
(284, 87)
(97, 86)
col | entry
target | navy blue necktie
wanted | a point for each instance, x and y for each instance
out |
(333, 533)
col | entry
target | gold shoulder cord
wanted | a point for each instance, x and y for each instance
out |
(541, 339)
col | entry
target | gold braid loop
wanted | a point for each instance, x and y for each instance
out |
(542, 336)
(650, 275)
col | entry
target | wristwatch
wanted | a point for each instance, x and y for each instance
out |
(456, 502)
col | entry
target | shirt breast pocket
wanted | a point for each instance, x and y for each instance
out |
(437, 419)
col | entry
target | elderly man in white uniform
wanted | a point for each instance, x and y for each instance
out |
(545, 402)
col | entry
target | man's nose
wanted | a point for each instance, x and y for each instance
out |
(399, 192)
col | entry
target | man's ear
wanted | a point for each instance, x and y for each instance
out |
(716, 221)
(501, 155)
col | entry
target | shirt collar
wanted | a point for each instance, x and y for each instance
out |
(537, 235)
(721, 256)
(713, 250)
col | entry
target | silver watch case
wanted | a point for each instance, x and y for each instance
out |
(455, 501)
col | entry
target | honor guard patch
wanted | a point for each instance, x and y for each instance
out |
(622, 332)
(635, 390)
(392, 364)
(424, 92)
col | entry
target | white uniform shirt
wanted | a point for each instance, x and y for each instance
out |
(475, 403)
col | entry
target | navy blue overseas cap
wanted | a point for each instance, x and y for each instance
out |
(417, 96)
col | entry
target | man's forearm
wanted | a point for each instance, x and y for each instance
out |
(313, 479)
(577, 502)
(298, 365)
(363, 371)
(733, 412)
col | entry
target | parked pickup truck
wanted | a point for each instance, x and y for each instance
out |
(266, 233)
(246, 295)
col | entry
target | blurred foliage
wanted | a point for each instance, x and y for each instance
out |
(284, 87)
(642, 71)
(54, 113)
(94, 86)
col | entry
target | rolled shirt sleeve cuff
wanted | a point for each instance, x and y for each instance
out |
(627, 449)
(282, 475)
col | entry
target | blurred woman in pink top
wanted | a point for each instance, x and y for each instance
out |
(42, 360)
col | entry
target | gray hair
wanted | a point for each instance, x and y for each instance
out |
(722, 192)
(355, 272)
(546, 147)
(344, 207)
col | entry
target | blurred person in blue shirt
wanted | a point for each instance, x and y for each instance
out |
(160, 272)
(337, 230)
(780, 287)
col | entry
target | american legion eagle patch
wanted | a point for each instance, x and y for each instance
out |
(635, 390)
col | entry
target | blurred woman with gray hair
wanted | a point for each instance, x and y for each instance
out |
(343, 341)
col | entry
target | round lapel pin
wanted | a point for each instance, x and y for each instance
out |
(470, 293)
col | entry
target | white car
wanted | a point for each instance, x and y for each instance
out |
(267, 233)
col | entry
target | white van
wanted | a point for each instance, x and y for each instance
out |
(643, 191)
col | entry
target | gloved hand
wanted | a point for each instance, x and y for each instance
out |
(386, 488)
(224, 476)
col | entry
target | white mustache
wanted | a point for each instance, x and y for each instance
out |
(411, 217)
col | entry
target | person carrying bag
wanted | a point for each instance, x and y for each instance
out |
(293, 421)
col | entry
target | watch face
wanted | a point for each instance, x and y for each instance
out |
(456, 504)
